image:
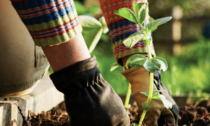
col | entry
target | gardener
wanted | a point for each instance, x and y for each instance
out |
(89, 99)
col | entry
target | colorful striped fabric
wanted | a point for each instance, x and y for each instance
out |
(49, 22)
(120, 28)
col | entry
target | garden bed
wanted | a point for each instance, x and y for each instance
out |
(195, 114)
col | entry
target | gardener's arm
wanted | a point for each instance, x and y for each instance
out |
(54, 25)
(66, 54)
(120, 29)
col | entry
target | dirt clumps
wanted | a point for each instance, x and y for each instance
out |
(195, 115)
(189, 115)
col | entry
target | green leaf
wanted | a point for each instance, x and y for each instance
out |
(155, 94)
(147, 42)
(144, 41)
(145, 93)
(126, 13)
(140, 10)
(136, 61)
(105, 29)
(95, 40)
(150, 66)
(155, 64)
(151, 19)
(102, 21)
(156, 97)
(104, 25)
(89, 36)
(143, 16)
(154, 24)
(89, 22)
(166, 102)
(151, 106)
(144, 105)
(92, 38)
(86, 30)
(160, 62)
(133, 39)
(114, 66)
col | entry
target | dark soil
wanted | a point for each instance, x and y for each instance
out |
(195, 115)
(189, 115)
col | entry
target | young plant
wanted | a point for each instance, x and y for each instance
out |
(92, 30)
(151, 64)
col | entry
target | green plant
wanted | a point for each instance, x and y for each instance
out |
(151, 64)
(127, 98)
(92, 30)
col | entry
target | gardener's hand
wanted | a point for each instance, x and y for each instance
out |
(90, 100)
(158, 114)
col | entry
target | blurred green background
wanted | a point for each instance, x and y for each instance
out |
(184, 42)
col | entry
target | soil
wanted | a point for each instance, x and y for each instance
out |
(189, 115)
(195, 114)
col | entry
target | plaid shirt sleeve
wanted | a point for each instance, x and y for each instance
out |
(120, 28)
(50, 22)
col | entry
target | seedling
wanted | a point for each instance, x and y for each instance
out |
(93, 29)
(127, 98)
(151, 64)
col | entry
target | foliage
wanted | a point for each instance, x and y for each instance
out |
(92, 30)
(186, 74)
(115, 78)
(190, 71)
(190, 6)
(151, 64)
(82, 10)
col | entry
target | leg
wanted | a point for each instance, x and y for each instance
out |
(22, 63)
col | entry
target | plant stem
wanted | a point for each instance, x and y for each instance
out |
(150, 91)
(142, 115)
(148, 99)
(149, 52)
(95, 40)
(127, 99)
(151, 80)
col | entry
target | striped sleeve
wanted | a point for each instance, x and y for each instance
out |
(121, 28)
(50, 22)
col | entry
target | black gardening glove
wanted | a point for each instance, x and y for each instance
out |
(89, 99)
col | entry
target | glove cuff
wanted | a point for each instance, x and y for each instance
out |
(79, 72)
(78, 67)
